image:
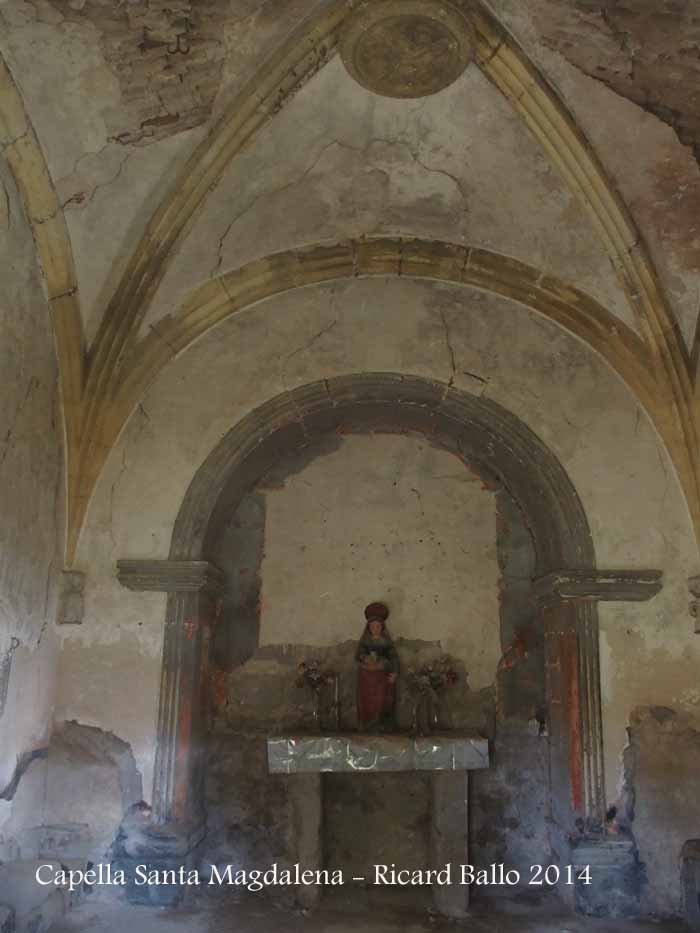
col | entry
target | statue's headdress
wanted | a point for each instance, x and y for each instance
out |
(376, 612)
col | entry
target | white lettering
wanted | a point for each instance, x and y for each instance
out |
(39, 869)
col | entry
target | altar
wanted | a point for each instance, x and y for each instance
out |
(448, 757)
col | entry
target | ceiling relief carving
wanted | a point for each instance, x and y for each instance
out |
(407, 49)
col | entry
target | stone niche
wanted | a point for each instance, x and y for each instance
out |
(350, 519)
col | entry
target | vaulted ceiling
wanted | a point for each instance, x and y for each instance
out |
(180, 162)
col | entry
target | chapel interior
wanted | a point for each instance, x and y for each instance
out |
(349, 465)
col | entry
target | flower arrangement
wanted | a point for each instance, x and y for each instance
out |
(310, 674)
(428, 683)
(434, 676)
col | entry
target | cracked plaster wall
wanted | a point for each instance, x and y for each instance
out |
(485, 345)
(85, 95)
(658, 176)
(108, 189)
(111, 188)
(383, 517)
(457, 166)
(31, 528)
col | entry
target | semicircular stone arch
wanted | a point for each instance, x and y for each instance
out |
(484, 435)
(477, 429)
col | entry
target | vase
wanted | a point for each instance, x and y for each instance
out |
(444, 713)
(316, 710)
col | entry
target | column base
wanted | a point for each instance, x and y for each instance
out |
(616, 878)
(172, 851)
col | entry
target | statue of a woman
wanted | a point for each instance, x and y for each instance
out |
(378, 669)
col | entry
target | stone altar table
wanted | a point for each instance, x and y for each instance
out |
(449, 758)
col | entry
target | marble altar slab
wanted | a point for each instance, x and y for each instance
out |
(304, 754)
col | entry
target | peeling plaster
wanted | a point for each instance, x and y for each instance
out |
(657, 176)
(360, 165)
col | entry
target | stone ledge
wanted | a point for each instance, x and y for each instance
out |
(304, 754)
(598, 585)
(169, 576)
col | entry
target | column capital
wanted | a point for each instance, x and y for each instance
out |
(631, 586)
(170, 576)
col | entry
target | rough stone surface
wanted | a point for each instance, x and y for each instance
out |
(658, 177)
(376, 819)
(663, 742)
(644, 50)
(508, 802)
(36, 907)
(690, 880)
(239, 833)
(614, 877)
(167, 58)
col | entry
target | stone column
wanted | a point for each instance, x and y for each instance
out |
(563, 691)
(306, 805)
(178, 817)
(566, 602)
(567, 610)
(449, 838)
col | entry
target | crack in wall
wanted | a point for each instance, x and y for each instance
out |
(448, 342)
(7, 440)
(5, 671)
(81, 198)
(655, 68)
(6, 209)
(363, 151)
(306, 346)
(23, 763)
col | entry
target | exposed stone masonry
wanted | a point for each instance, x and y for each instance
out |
(168, 56)
(645, 50)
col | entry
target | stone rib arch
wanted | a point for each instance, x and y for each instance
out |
(20, 146)
(244, 288)
(433, 260)
(477, 428)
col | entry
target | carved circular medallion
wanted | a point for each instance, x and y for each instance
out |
(407, 48)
